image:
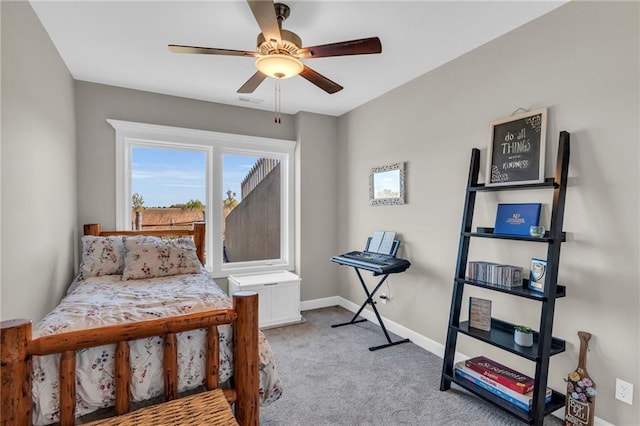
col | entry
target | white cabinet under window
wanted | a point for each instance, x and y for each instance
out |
(278, 295)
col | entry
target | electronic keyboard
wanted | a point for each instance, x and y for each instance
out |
(379, 257)
(375, 262)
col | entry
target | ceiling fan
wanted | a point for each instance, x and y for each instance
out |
(279, 51)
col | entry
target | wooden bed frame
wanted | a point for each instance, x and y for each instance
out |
(17, 347)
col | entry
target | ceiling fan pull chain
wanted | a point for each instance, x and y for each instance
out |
(279, 103)
(277, 118)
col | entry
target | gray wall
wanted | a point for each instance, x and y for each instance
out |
(582, 62)
(316, 200)
(38, 167)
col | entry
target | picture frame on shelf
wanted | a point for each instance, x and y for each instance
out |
(516, 152)
(517, 218)
(480, 313)
(538, 275)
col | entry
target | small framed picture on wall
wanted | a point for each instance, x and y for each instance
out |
(386, 185)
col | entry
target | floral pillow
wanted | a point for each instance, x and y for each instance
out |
(150, 257)
(101, 256)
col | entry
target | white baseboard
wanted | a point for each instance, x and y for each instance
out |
(424, 342)
(596, 420)
(392, 326)
(325, 302)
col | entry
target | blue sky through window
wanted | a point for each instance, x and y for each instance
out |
(171, 176)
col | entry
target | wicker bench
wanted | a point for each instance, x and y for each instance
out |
(206, 408)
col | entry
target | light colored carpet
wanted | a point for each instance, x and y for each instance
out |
(331, 378)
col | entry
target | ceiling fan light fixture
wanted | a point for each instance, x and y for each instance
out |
(279, 65)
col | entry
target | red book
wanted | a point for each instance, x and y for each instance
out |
(501, 374)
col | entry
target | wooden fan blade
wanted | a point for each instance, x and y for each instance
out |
(321, 81)
(176, 48)
(253, 83)
(265, 14)
(364, 46)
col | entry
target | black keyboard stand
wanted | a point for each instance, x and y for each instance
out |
(371, 302)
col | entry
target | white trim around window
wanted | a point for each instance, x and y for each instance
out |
(215, 145)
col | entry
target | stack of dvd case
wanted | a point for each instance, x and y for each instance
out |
(495, 273)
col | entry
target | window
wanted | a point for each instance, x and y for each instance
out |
(168, 186)
(251, 208)
(241, 186)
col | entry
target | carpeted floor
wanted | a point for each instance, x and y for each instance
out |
(331, 378)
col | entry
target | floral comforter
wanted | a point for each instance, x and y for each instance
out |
(107, 300)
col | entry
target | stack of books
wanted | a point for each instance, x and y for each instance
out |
(495, 273)
(510, 385)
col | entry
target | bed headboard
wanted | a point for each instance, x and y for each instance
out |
(197, 233)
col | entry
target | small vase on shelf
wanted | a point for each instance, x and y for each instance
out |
(523, 336)
(537, 231)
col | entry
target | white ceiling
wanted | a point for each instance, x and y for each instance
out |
(124, 43)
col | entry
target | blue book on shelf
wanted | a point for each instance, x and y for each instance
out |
(521, 405)
(515, 219)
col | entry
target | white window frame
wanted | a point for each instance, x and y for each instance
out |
(215, 145)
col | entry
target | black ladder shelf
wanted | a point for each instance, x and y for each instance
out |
(501, 334)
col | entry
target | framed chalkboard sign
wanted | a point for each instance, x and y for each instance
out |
(516, 149)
